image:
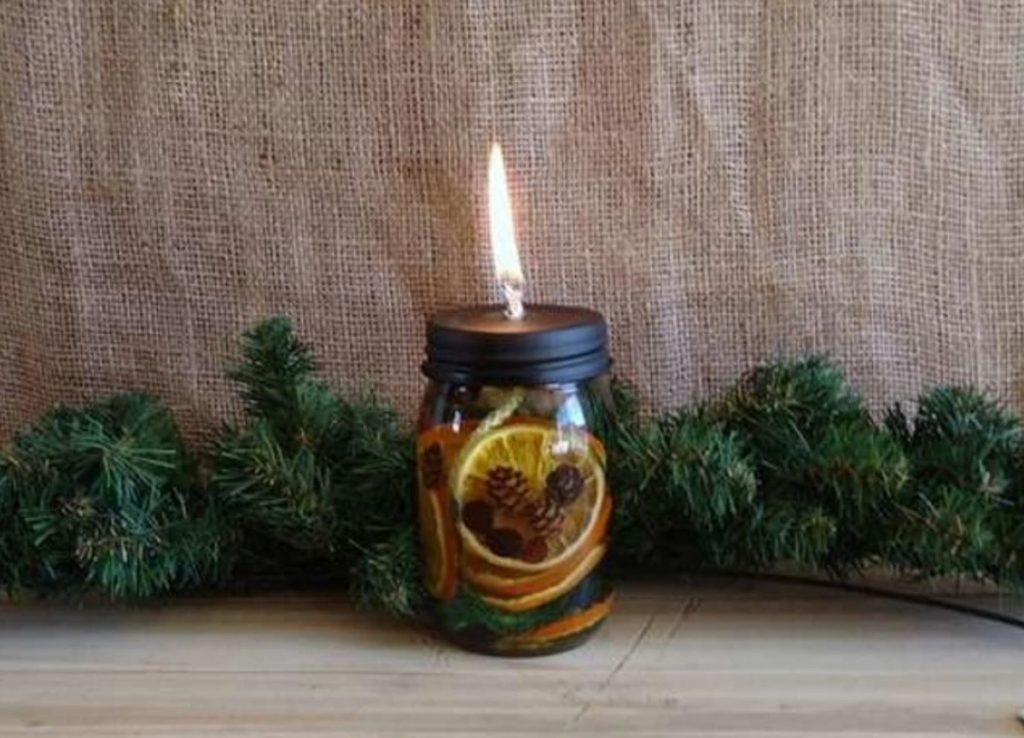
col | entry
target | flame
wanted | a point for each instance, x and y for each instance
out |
(507, 268)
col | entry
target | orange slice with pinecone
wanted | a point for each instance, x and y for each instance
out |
(530, 497)
(496, 582)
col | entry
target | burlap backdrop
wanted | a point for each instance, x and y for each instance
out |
(727, 181)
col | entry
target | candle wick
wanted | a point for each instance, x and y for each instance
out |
(513, 300)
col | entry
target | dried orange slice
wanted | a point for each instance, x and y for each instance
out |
(440, 571)
(523, 455)
(556, 590)
(561, 628)
(496, 582)
(436, 448)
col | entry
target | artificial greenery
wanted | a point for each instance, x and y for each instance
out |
(312, 481)
(961, 513)
(685, 491)
(105, 496)
(787, 468)
(826, 473)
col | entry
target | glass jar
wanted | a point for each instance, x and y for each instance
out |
(514, 506)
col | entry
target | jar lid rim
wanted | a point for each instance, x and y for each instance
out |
(550, 344)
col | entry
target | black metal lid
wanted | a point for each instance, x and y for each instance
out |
(548, 345)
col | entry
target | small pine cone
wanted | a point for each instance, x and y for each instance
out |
(507, 487)
(432, 466)
(546, 517)
(564, 484)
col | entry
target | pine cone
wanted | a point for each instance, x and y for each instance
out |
(478, 517)
(546, 517)
(432, 466)
(507, 487)
(564, 484)
(505, 542)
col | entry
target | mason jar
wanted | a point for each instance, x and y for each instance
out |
(513, 500)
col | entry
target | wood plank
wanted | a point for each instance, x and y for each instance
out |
(710, 657)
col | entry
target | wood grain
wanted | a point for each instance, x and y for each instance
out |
(715, 657)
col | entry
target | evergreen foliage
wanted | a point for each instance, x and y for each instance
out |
(387, 575)
(683, 485)
(467, 613)
(960, 514)
(103, 496)
(789, 468)
(327, 482)
(826, 473)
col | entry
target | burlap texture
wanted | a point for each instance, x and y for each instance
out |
(726, 181)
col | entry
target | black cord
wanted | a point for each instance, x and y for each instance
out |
(915, 599)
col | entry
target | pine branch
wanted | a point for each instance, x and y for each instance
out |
(387, 576)
(277, 368)
(275, 492)
(826, 473)
(313, 479)
(102, 496)
(682, 483)
(961, 514)
(373, 461)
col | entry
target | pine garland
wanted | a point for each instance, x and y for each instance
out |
(104, 497)
(826, 473)
(313, 486)
(962, 511)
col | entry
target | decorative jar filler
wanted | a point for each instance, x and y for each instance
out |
(514, 505)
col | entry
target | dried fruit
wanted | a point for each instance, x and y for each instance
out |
(506, 486)
(478, 517)
(564, 585)
(440, 572)
(564, 484)
(562, 628)
(505, 542)
(504, 585)
(508, 467)
(432, 466)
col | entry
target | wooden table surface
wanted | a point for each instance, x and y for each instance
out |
(718, 657)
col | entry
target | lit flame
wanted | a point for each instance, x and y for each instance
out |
(507, 268)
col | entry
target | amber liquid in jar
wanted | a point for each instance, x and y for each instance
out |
(514, 511)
